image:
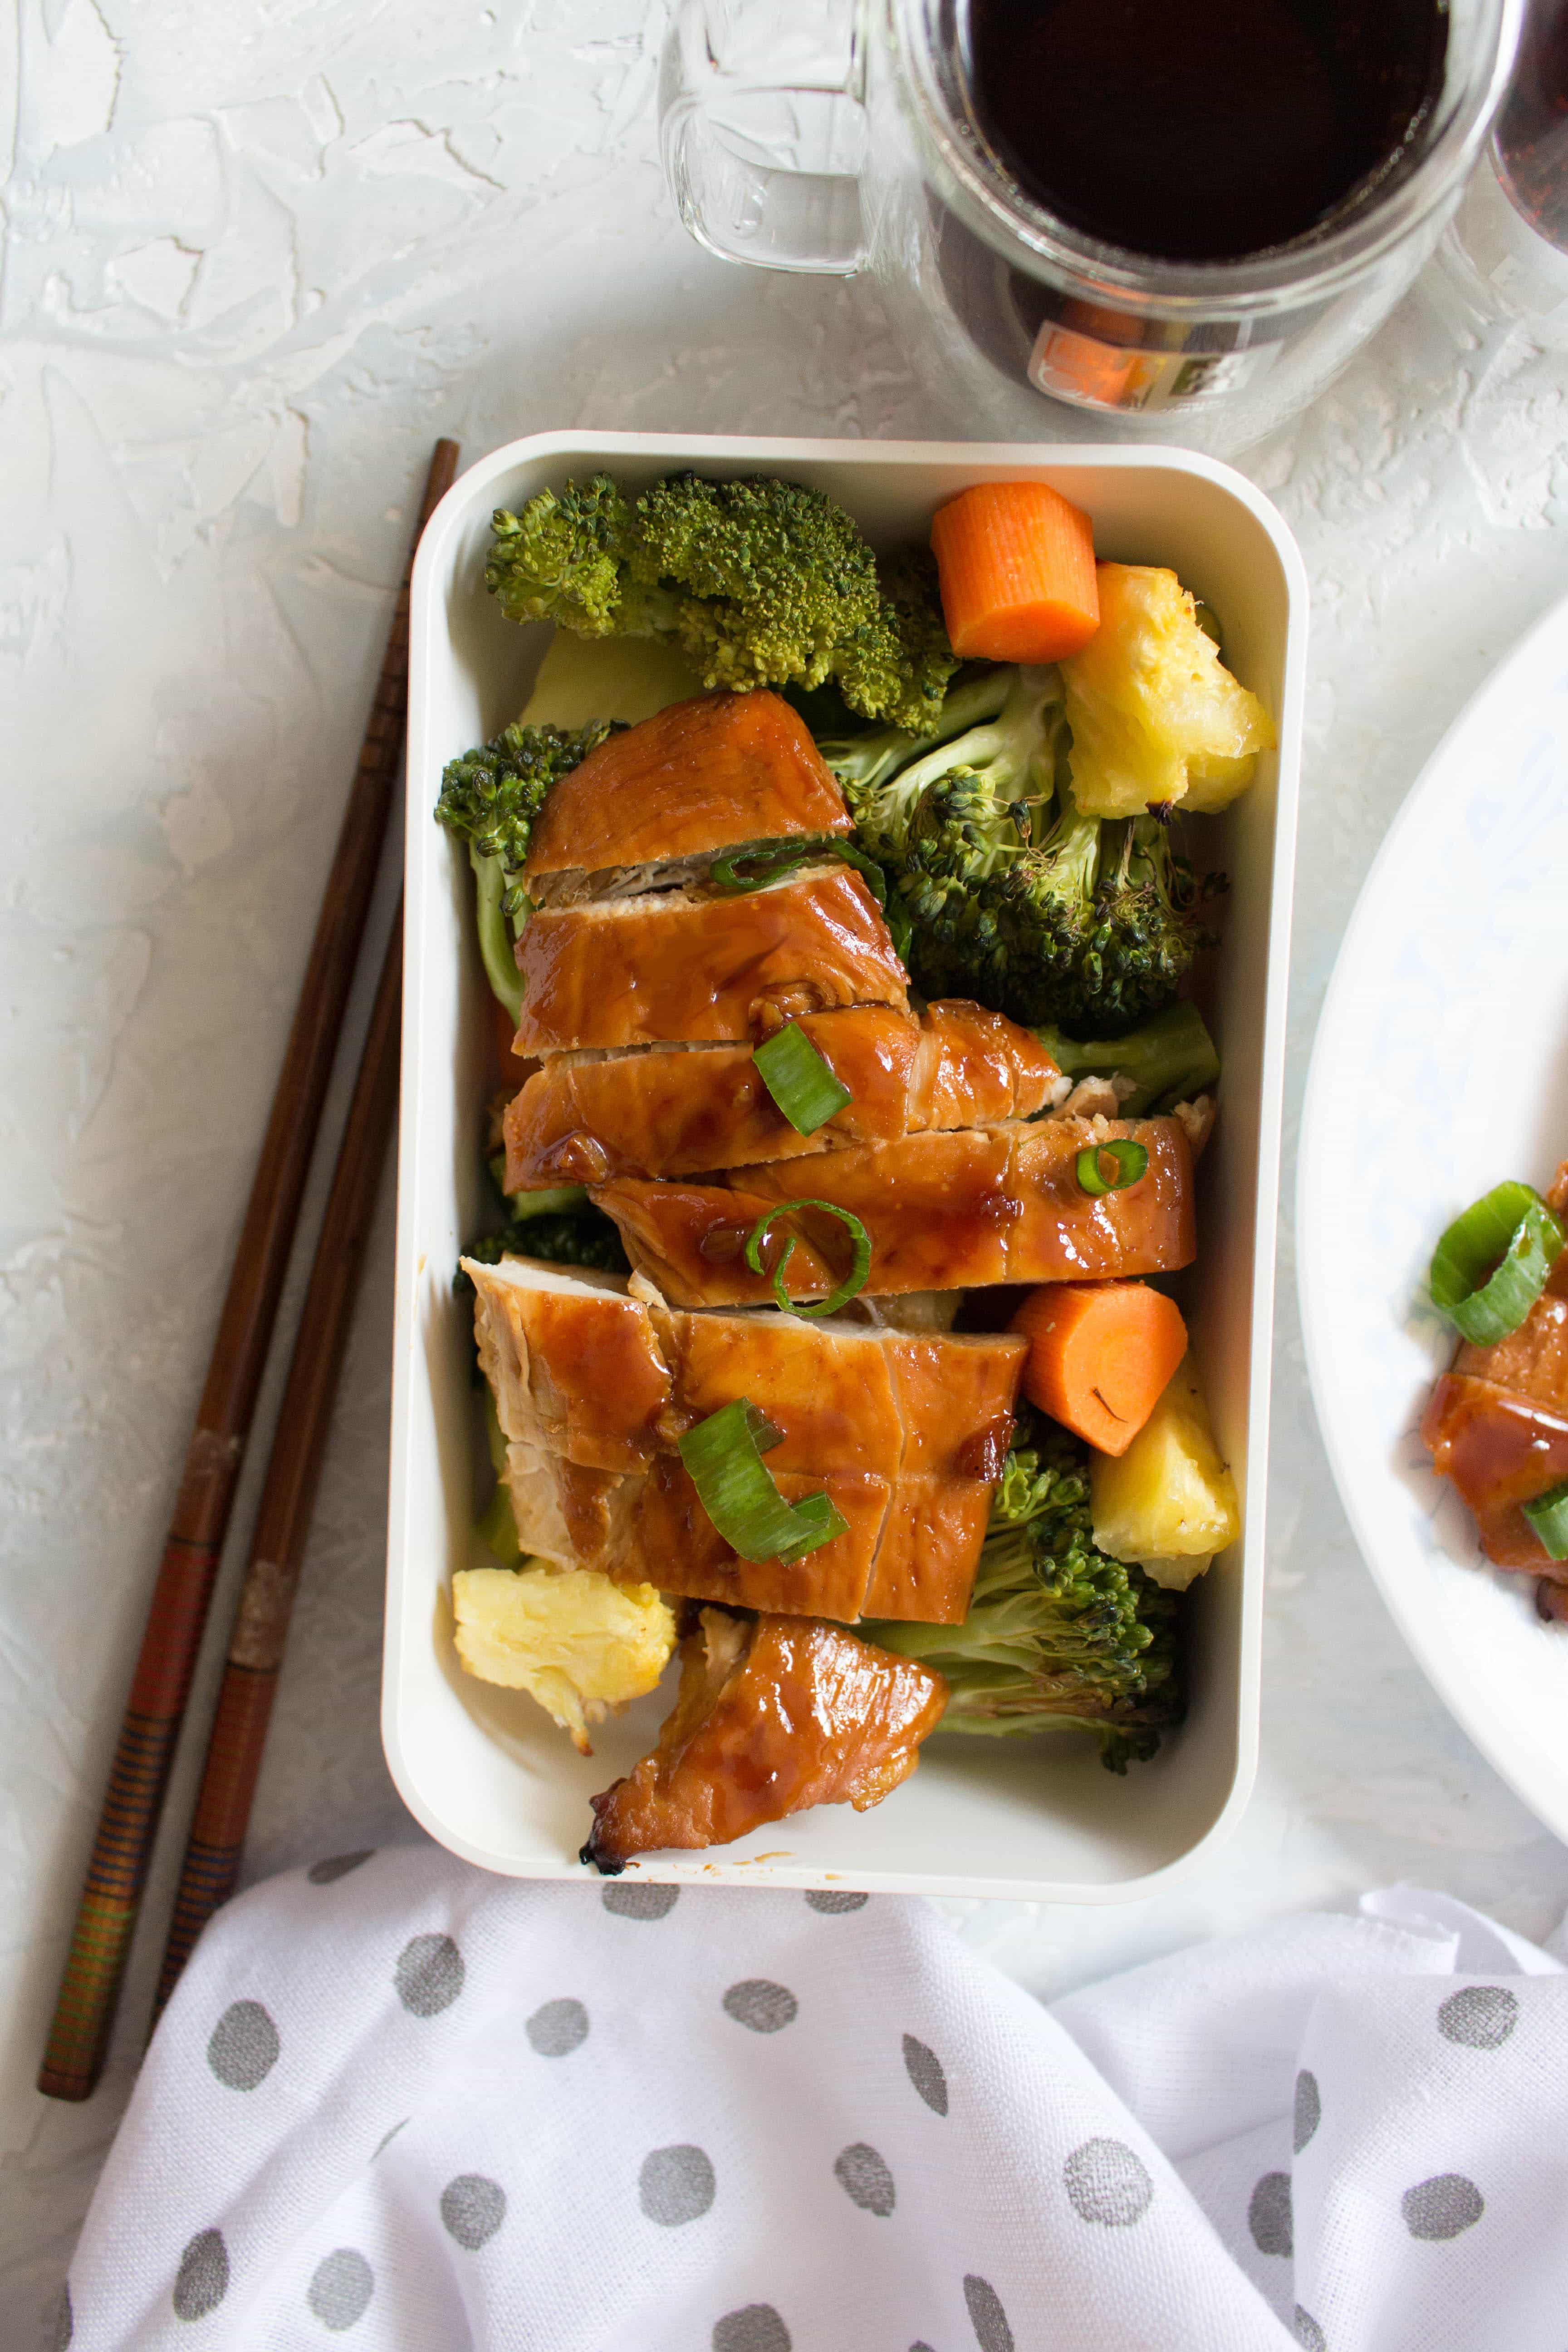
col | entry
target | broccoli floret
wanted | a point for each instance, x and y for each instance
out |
(489, 798)
(582, 1236)
(1058, 1634)
(761, 582)
(1012, 896)
(1170, 1058)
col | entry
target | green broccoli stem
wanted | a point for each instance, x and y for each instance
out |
(495, 942)
(1171, 1057)
(1009, 745)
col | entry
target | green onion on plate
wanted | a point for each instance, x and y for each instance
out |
(1129, 1161)
(723, 1456)
(1548, 1515)
(799, 1080)
(854, 1281)
(1491, 1264)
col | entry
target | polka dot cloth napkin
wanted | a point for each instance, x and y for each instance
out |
(400, 2103)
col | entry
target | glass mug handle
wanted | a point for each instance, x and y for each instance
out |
(763, 130)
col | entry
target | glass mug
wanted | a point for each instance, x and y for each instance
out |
(837, 136)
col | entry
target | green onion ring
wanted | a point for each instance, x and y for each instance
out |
(1492, 1263)
(854, 1281)
(1548, 1515)
(1130, 1159)
(723, 1459)
(799, 1080)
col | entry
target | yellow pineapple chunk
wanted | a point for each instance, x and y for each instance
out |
(1169, 1501)
(577, 1643)
(1155, 715)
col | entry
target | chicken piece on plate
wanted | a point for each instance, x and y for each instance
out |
(684, 965)
(774, 1713)
(703, 775)
(941, 1211)
(1501, 1449)
(582, 1119)
(905, 1431)
(1533, 1360)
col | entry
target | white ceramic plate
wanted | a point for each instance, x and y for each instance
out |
(1441, 1067)
(483, 1768)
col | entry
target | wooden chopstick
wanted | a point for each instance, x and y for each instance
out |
(106, 1916)
(261, 1635)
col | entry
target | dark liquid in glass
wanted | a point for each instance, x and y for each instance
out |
(1201, 130)
(1533, 129)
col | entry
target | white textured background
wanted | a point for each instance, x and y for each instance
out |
(257, 256)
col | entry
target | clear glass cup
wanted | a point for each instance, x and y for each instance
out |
(1508, 248)
(836, 136)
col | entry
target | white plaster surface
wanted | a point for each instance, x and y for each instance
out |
(257, 256)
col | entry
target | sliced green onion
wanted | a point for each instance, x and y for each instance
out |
(723, 1456)
(1491, 1264)
(767, 864)
(855, 1280)
(1548, 1515)
(799, 1080)
(754, 864)
(1129, 1160)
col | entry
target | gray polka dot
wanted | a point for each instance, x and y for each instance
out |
(387, 2137)
(640, 1902)
(767, 2008)
(1107, 2183)
(987, 2315)
(429, 1974)
(338, 1865)
(676, 2184)
(825, 1898)
(921, 2347)
(1481, 2017)
(924, 2070)
(865, 2179)
(203, 2280)
(341, 2289)
(757, 2328)
(558, 2029)
(1309, 2110)
(244, 2047)
(64, 2326)
(473, 2208)
(1308, 2332)
(1268, 2215)
(1442, 2207)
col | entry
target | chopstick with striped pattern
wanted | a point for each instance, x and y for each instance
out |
(128, 1823)
(261, 1635)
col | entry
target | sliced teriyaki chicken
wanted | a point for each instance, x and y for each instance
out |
(699, 777)
(688, 964)
(1501, 1450)
(1498, 1425)
(582, 1119)
(906, 1430)
(774, 1713)
(942, 1212)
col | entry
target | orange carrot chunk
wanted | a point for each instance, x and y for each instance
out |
(1016, 564)
(1100, 1355)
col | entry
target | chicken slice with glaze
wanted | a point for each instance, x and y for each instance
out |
(594, 1389)
(688, 964)
(774, 1715)
(699, 777)
(582, 1119)
(941, 1211)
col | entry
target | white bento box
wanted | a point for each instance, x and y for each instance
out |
(483, 1769)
